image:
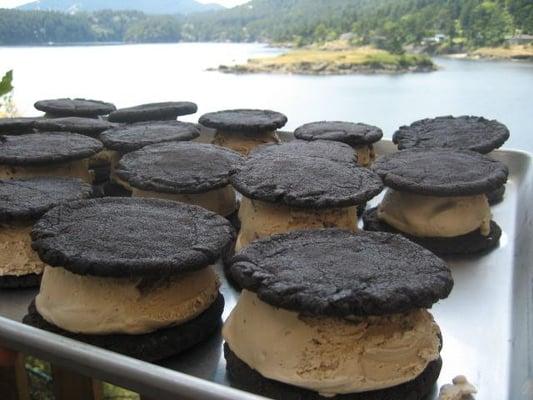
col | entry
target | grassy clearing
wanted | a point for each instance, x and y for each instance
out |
(513, 52)
(351, 60)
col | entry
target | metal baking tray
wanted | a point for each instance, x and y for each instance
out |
(487, 322)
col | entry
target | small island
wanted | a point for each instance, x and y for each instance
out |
(334, 60)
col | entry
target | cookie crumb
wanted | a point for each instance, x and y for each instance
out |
(461, 389)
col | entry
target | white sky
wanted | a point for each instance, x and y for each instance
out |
(227, 3)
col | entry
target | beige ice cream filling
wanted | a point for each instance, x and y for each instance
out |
(102, 306)
(73, 169)
(331, 355)
(261, 219)
(222, 201)
(17, 258)
(365, 155)
(105, 157)
(244, 143)
(429, 216)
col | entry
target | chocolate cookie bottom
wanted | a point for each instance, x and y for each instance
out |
(496, 196)
(245, 378)
(471, 243)
(153, 346)
(20, 282)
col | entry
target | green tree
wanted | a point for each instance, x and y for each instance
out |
(522, 13)
(490, 23)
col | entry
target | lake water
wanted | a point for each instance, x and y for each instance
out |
(133, 74)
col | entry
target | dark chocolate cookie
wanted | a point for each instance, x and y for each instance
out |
(458, 133)
(354, 134)
(133, 137)
(244, 120)
(331, 272)
(20, 282)
(441, 172)
(29, 199)
(45, 148)
(470, 243)
(74, 107)
(496, 196)
(85, 126)
(305, 180)
(179, 167)
(118, 237)
(320, 148)
(153, 346)
(16, 126)
(245, 378)
(153, 112)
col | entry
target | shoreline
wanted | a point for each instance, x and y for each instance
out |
(243, 70)
(324, 60)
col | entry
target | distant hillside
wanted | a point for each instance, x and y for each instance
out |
(146, 6)
(430, 25)
(397, 22)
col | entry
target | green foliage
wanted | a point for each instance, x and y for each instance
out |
(522, 14)
(6, 84)
(154, 30)
(488, 23)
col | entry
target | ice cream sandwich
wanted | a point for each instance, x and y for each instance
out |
(243, 130)
(301, 185)
(328, 314)
(166, 111)
(193, 173)
(84, 126)
(56, 108)
(358, 135)
(17, 126)
(133, 276)
(437, 199)
(22, 202)
(459, 133)
(47, 154)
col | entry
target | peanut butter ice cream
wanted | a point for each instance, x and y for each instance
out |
(73, 169)
(221, 201)
(189, 172)
(365, 155)
(430, 216)
(331, 355)
(17, 258)
(244, 143)
(261, 219)
(101, 306)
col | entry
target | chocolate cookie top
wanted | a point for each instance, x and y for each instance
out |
(15, 126)
(244, 121)
(441, 172)
(124, 237)
(127, 138)
(337, 273)
(74, 107)
(459, 133)
(153, 112)
(44, 148)
(305, 179)
(176, 167)
(319, 148)
(28, 199)
(85, 126)
(354, 134)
